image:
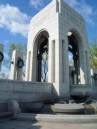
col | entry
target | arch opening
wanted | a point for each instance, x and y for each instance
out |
(73, 55)
(41, 52)
(42, 58)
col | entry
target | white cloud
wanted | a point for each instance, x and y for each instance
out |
(36, 3)
(14, 20)
(83, 8)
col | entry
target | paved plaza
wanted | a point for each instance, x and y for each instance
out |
(43, 125)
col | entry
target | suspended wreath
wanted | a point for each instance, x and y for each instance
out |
(1, 56)
(95, 76)
(20, 63)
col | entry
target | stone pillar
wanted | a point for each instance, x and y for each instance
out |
(62, 68)
(58, 61)
(65, 61)
(58, 69)
(17, 64)
(88, 68)
(1, 55)
(85, 67)
(31, 65)
(28, 64)
(94, 77)
(83, 72)
(51, 61)
(65, 68)
(34, 65)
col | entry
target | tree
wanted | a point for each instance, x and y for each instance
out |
(13, 46)
(93, 54)
(4, 76)
(19, 47)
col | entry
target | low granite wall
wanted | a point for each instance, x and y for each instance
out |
(94, 92)
(81, 90)
(25, 91)
(94, 77)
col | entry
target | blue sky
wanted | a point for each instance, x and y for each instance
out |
(15, 16)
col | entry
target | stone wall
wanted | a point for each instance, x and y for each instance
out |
(94, 77)
(94, 92)
(84, 90)
(36, 92)
(25, 91)
(81, 90)
(94, 82)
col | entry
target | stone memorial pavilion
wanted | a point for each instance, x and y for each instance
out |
(57, 69)
(57, 32)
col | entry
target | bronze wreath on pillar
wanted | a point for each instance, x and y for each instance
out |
(1, 56)
(20, 63)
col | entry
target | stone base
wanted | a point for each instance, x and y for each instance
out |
(69, 108)
(61, 90)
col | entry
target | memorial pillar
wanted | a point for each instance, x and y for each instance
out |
(51, 61)
(88, 68)
(65, 61)
(17, 63)
(83, 71)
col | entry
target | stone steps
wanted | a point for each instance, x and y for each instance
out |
(58, 118)
(69, 109)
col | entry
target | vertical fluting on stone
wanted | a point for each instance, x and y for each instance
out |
(51, 61)
(65, 61)
(88, 68)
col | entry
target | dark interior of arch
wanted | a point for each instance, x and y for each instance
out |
(74, 50)
(42, 58)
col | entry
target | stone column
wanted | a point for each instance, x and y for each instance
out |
(65, 61)
(83, 71)
(1, 55)
(58, 87)
(58, 61)
(17, 63)
(62, 68)
(33, 75)
(28, 69)
(88, 68)
(51, 61)
(29, 61)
